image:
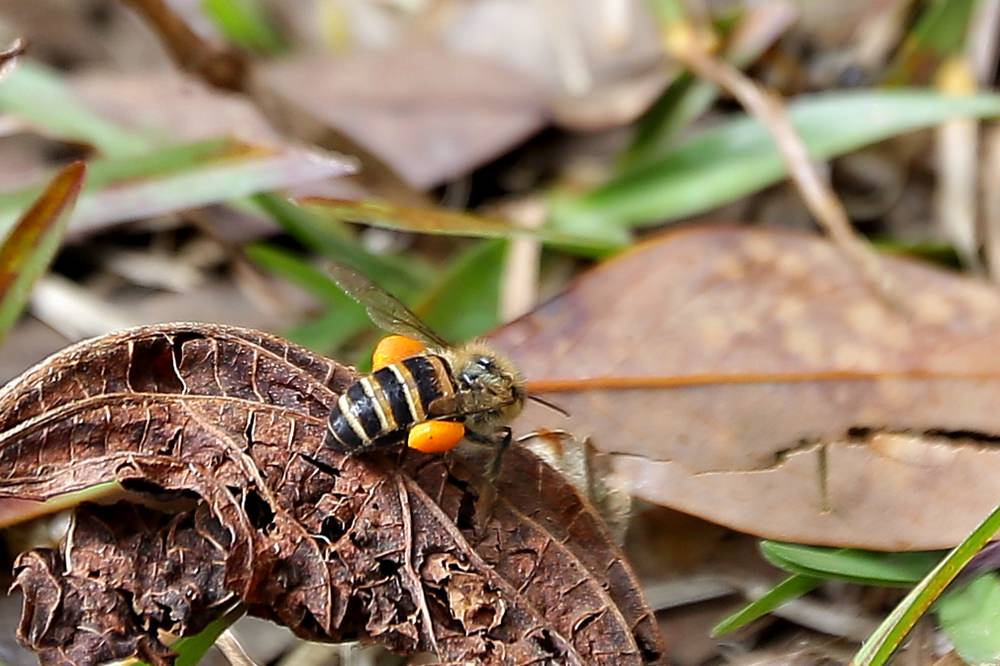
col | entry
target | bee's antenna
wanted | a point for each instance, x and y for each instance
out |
(553, 407)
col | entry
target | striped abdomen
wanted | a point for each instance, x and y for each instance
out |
(381, 407)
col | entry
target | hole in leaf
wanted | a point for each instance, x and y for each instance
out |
(547, 642)
(466, 512)
(151, 367)
(466, 518)
(333, 528)
(388, 568)
(484, 616)
(259, 512)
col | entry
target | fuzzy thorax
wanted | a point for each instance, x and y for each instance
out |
(492, 388)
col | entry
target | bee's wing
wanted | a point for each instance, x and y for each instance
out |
(384, 309)
(444, 406)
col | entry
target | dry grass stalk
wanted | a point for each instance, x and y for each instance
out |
(690, 49)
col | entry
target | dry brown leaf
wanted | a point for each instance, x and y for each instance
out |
(723, 370)
(433, 117)
(175, 105)
(334, 548)
(599, 63)
(83, 35)
(122, 565)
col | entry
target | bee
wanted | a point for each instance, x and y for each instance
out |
(423, 390)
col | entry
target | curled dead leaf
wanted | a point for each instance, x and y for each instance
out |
(334, 548)
(122, 566)
(471, 603)
(751, 378)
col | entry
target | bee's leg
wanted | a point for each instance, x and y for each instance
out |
(501, 443)
(500, 440)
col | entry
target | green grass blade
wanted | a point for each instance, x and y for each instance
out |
(161, 161)
(688, 97)
(36, 94)
(344, 319)
(884, 641)
(932, 251)
(226, 169)
(191, 649)
(297, 270)
(327, 334)
(939, 33)
(13, 511)
(33, 242)
(175, 178)
(220, 181)
(328, 237)
(791, 588)
(684, 100)
(738, 157)
(970, 615)
(667, 11)
(245, 24)
(852, 565)
(465, 302)
(451, 223)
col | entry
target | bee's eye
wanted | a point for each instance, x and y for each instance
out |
(485, 363)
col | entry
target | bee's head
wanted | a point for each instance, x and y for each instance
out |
(494, 385)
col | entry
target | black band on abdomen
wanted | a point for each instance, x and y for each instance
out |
(395, 394)
(363, 410)
(342, 431)
(425, 377)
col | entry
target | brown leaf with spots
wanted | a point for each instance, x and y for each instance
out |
(400, 550)
(750, 377)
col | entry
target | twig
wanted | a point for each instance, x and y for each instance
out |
(74, 311)
(220, 66)
(519, 287)
(984, 41)
(687, 47)
(957, 147)
(991, 202)
(879, 33)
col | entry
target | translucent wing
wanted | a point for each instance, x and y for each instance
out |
(384, 309)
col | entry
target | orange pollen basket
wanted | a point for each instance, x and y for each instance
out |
(435, 436)
(427, 436)
(394, 348)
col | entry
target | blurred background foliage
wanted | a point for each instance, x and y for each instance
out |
(565, 121)
(471, 157)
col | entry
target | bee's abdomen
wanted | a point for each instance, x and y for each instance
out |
(388, 402)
